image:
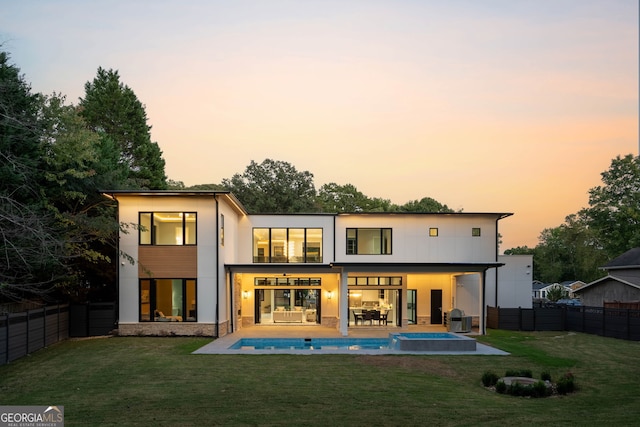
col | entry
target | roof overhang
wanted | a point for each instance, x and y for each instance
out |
(335, 267)
(225, 195)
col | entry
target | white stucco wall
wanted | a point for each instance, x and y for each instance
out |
(412, 243)
(514, 282)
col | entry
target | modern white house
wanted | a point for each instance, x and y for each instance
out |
(205, 266)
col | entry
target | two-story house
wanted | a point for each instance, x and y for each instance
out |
(205, 266)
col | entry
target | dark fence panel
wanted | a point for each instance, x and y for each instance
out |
(4, 339)
(89, 320)
(620, 323)
(17, 336)
(527, 319)
(102, 318)
(549, 319)
(78, 320)
(35, 328)
(29, 331)
(509, 318)
(593, 320)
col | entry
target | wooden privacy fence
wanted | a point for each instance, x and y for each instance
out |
(28, 331)
(621, 323)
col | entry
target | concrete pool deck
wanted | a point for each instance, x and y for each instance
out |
(221, 345)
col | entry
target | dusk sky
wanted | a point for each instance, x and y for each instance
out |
(484, 105)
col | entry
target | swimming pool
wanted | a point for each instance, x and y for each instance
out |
(414, 342)
(311, 344)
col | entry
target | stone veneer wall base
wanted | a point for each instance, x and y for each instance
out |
(170, 329)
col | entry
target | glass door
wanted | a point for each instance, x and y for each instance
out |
(412, 306)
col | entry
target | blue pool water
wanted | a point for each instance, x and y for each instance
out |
(427, 335)
(396, 341)
(311, 344)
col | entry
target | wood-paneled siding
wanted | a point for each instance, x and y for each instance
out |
(168, 261)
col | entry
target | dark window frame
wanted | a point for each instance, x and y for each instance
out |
(352, 243)
(270, 258)
(152, 229)
(153, 306)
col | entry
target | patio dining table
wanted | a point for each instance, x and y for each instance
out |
(375, 315)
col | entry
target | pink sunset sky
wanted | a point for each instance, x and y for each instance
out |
(484, 105)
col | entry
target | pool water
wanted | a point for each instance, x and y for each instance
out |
(311, 344)
(427, 341)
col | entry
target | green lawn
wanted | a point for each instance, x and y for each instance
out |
(157, 382)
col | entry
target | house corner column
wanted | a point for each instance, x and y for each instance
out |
(344, 304)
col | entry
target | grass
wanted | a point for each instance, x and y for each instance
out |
(156, 381)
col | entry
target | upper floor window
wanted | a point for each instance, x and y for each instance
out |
(167, 228)
(291, 245)
(433, 232)
(368, 241)
(475, 232)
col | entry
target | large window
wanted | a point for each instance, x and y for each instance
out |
(168, 300)
(168, 228)
(287, 245)
(368, 241)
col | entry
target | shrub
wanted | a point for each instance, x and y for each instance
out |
(517, 389)
(545, 376)
(501, 387)
(566, 384)
(540, 389)
(521, 373)
(489, 378)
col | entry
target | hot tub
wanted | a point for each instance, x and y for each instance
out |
(430, 341)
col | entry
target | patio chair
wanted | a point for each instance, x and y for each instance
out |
(367, 315)
(375, 316)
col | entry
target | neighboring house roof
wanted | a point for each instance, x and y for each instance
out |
(538, 286)
(629, 281)
(629, 259)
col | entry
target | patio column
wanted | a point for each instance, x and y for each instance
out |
(343, 311)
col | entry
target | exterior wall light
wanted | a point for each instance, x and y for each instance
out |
(246, 294)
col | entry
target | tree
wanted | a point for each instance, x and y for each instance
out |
(426, 204)
(346, 198)
(112, 109)
(557, 292)
(568, 252)
(79, 163)
(614, 208)
(19, 134)
(29, 248)
(209, 187)
(273, 187)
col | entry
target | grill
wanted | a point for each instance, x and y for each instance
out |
(458, 322)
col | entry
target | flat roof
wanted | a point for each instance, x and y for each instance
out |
(234, 201)
(230, 197)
